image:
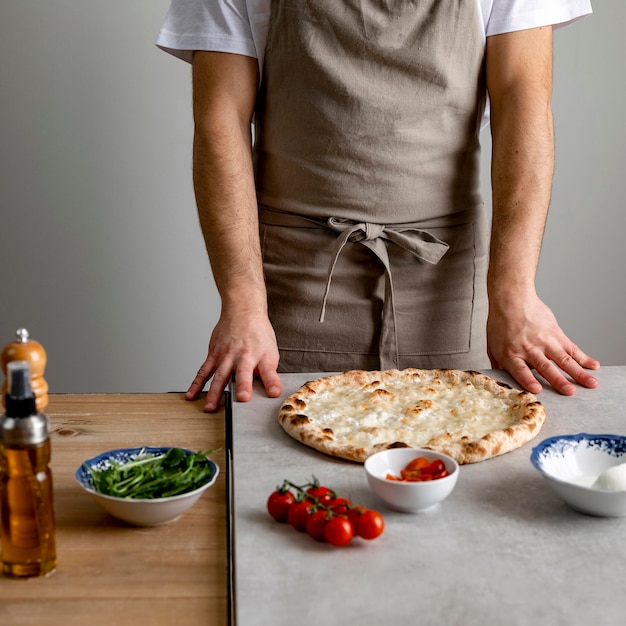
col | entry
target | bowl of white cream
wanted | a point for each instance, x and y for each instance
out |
(587, 471)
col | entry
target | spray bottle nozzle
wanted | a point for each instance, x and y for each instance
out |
(20, 399)
(18, 374)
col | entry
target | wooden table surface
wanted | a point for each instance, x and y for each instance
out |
(112, 573)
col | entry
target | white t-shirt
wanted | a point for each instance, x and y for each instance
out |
(240, 26)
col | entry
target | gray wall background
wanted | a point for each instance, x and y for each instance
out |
(101, 256)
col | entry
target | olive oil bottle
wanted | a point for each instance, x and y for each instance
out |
(27, 529)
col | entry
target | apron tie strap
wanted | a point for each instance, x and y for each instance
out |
(420, 243)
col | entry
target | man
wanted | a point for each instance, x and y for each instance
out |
(352, 235)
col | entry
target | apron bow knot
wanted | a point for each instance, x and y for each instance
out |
(420, 243)
(365, 231)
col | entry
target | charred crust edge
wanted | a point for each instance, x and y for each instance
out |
(299, 419)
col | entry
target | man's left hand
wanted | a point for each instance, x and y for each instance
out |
(526, 336)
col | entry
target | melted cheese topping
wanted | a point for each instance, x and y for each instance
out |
(415, 414)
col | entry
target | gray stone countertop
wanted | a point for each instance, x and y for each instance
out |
(502, 549)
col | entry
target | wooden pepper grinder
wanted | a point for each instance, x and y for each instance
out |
(26, 349)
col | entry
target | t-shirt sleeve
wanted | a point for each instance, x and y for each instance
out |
(511, 15)
(214, 25)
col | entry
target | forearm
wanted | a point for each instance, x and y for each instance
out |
(224, 187)
(227, 212)
(522, 333)
(522, 172)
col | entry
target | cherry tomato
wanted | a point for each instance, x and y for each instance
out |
(340, 506)
(339, 531)
(420, 469)
(354, 514)
(419, 463)
(298, 514)
(278, 504)
(315, 525)
(437, 469)
(392, 477)
(415, 468)
(323, 494)
(370, 525)
(422, 478)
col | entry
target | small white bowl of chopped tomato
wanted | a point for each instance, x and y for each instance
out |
(411, 480)
(147, 486)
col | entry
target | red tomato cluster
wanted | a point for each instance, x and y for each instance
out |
(318, 511)
(421, 469)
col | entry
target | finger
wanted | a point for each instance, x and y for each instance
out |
(518, 368)
(204, 373)
(216, 388)
(572, 366)
(587, 380)
(243, 382)
(585, 360)
(553, 375)
(270, 380)
(589, 363)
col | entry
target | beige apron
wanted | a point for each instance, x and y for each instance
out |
(367, 168)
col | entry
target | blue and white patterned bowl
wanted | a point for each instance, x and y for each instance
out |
(152, 512)
(572, 463)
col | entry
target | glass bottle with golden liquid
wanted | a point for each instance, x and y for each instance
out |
(27, 528)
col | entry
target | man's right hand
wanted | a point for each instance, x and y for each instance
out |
(244, 345)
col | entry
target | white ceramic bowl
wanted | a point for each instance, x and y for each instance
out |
(409, 497)
(152, 512)
(572, 463)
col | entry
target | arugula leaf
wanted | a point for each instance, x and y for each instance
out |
(149, 476)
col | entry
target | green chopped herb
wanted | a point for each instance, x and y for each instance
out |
(150, 476)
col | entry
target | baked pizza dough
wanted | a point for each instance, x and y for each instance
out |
(465, 414)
